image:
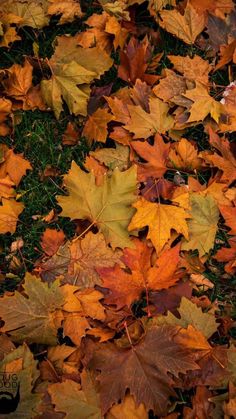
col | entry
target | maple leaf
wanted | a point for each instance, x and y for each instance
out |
(98, 169)
(71, 74)
(68, 9)
(21, 362)
(151, 383)
(216, 7)
(228, 255)
(75, 326)
(108, 206)
(160, 219)
(203, 104)
(162, 276)
(191, 314)
(87, 255)
(113, 27)
(203, 224)
(125, 288)
(33, 319)
(194, 68)
(19, 80)
(170, 86)
(8, 35)
(156, 157)
(95, 128)
(186, 27)
(134, 62)
(71, 135)
(113, 157)
(144, 124)
(56, 265)
(9, 213)
(184, 156)
(202, 404)
(14, 165)
(156, 6)
(229, 214)
(226, 161)
(127, 409)
(26, 13)
(51, 240)
(69, 398)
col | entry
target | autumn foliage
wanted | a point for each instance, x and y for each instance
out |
(121, 320)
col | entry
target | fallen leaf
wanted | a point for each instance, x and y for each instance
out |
(113, 157)
(108, 206)
(152, 384)
(32, 319)
(156, 157)
(51, 241)
(72, 73)
(68, 9)
(160, 219)
(9, 213)
(69, 398)
(144, 124)
(229, 214)
(202, 225)
(127, 409)
(96, 128)
(203, 104)
(194, 68)
(191, 314)
(186, 27)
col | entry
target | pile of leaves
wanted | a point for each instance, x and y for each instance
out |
(121, 317)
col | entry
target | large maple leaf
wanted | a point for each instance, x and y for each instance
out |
(143, 369)
(186, 27)
(33, 319)
(107, 206)
(160, 219)
(73, 68)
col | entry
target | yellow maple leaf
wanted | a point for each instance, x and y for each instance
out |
(107, 206)
(144, 124)
(160, 219)
(203, 224)
(203, 104)
(186, 27)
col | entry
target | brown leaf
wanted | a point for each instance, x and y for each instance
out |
(51, 241)
(156, 157)
(151, 384)
(96, 128)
